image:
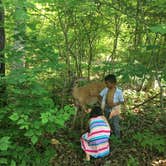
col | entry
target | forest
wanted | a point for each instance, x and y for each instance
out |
(45, 45)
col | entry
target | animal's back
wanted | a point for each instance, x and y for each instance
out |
(88, 93)
(95, 88)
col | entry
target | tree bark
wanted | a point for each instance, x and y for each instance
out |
(116, 37)
(156, 62)
(2, 55)
(19, 38)
(117, 32)
(90, 57)
(65, 28)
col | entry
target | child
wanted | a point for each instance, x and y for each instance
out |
(95, 143)
(112, 98)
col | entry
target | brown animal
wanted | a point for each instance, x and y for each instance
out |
(86, 95)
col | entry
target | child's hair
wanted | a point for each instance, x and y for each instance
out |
(96, 111)
(111, 78)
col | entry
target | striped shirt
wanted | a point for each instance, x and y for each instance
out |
(96, 142)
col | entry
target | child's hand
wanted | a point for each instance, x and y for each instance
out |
(88, 110)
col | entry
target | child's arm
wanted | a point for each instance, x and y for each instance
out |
(120, 98)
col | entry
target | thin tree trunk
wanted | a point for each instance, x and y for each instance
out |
(64, 28)
(2, 40)
(157, 76)
(19, 38)
(136, 37)
(90, 57)
(117, 32)
(2, 56)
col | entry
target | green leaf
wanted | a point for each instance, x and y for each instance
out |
(14, 116)
(4, 143)
(44, 117)
(29, 133)
(21, 121)
(37, 125)
(3, 161)
(23, 163)
(25, 126)
(13, 163)
(160, 28)
(60, 122)
(34, 139)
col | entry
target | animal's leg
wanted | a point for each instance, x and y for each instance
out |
(83, 111)
(82, 121)
(75, 117)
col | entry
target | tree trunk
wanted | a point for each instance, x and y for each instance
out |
(64, 27)
(20, 37)
(2, 56)
(117, 32)
(156, 62)
(136, 37)
(90, 57)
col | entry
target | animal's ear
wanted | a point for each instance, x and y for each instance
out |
(80, 81)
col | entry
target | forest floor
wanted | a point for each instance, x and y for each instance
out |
(143, 141)
(126, 151)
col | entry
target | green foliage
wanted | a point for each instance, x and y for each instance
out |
(47, 41)
(3, 161)
(4, 143)
(150, 141)
(159, 29)
(63, 115)
(115, 140)
(132, 161)
(127, 72)
(29, 114)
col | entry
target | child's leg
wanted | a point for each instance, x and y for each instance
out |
(107, 112)
(87, 157)
(115, 123)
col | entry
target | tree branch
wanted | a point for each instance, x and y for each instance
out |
(146, 101)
